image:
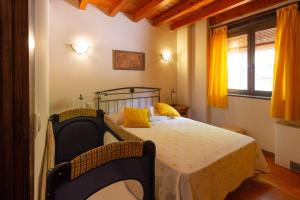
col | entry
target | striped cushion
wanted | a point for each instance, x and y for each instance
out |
(101, 155)
(77, 113)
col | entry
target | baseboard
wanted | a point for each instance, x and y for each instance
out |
(268, 153)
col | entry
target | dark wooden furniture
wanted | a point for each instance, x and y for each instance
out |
(183, 110)
(16, 140)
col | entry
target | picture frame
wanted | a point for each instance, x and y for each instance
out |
(128, 60)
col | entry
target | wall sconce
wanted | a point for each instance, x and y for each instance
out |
(80, 47)
(31, 41)
(166, 56)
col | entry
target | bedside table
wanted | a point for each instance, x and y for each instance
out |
(183, 110)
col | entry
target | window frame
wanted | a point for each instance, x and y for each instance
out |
(250, 27)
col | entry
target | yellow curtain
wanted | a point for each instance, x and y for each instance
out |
(217, 72)
(286, 85)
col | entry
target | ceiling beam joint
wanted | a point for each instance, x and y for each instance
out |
(179, 10)
(148, 9)
(117, 7)
(243, 10)
(83, 4)
(209, 10)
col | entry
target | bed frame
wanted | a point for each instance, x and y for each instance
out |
(110, 101)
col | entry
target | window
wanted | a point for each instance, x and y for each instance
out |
(238, 62)
(264, 59)
(251, 57)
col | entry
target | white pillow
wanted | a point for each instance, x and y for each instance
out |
(119, 117)
(154, 115)
(153, 111)
(157, 118)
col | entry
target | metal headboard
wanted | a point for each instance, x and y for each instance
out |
(111, 101)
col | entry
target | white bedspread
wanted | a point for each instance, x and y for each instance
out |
(199, 161)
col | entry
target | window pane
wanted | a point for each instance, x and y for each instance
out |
(238, 62)
(264, 59)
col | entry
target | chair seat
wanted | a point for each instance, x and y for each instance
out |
(113, 192)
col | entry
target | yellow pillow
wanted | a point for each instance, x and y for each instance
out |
(165, 109)
(136, 118)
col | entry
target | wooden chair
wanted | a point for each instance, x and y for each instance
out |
(75, 132)
(101, 167)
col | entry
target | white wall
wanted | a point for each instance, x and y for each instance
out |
(287, 144)
(39, 82)
(191, 69)
(253, 115)
(72, 74)
(183, 67)
(198, 107)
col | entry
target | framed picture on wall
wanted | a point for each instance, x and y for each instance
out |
(128, 60)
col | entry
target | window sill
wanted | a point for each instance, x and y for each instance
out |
(294, 124)
(249, 96)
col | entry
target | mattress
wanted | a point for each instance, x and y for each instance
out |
(195, 160)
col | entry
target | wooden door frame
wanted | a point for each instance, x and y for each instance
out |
(16, 141)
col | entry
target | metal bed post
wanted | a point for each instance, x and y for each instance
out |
(99, 98)
(159, 95)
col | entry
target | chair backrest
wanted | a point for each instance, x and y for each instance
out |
(77, 131)
(101, 167)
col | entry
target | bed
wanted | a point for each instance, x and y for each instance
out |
(194, 160)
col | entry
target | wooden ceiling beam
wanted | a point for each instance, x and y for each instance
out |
(209, 10)
(243, 10)
(83, 4)
(117, 7)
(179, 10)
(147, 10)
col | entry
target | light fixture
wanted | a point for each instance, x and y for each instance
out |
(31, 42)
(166, 56)
(80, 47)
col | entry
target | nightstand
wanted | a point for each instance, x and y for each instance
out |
(183, 110)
